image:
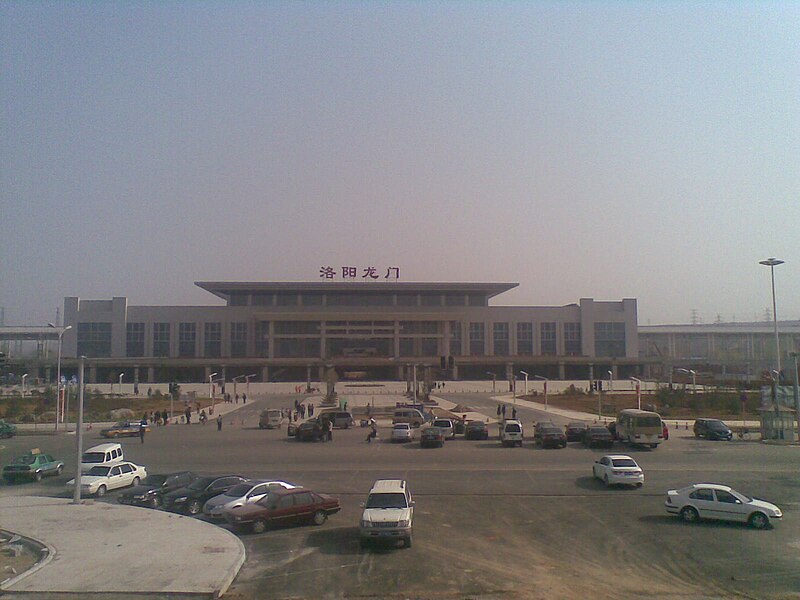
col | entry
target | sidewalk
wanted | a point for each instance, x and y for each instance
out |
(105, 548)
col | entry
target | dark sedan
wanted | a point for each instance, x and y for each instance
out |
(190, 499)
(284, 507)
(431, 437)
(574, 431)
(552, 437)
(151, 491)
(476, 430)
(312, 430)
(598, 436)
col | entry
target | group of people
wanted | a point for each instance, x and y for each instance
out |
(300, 411)
(501, 411)
(156, 418)
(235, 399)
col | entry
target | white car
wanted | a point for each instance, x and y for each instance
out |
(101, 479)
(388, 513)
(239, 495)
(618, 469)
(402, 432)
(447, 427)
(714, 501)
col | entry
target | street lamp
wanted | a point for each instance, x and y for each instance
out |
(24, 377)
(794, 355)
(526, 381)
(210, 387)
(494, 379)
(693, 373)
(638, 392)
(58, 374)
(121, 375)
(76, 497)
(235, 381)
(247, 379)
(772, 263)
(610, 381)
(545, 379)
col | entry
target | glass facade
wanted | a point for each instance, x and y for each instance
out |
(94, 339)
(609, 339)
(212, 340)
(187, 340)
(548, 337)
(500, 338)
(238, 339)
(262, 339)
(525, 339)
(134, 339)
(477, 339)
(161, 339)
(455, 338)
(572, 339)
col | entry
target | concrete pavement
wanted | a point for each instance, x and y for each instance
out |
(105, 548)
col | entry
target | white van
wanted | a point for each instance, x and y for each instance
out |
(511, 432)
(271, 418)
(103, 455)
(388, 513)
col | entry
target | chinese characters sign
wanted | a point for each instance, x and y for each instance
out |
(359, 273)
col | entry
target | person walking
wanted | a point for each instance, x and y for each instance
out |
(310, 409)
(142, 428)
(236, 398)
(504, 411)
(329, 430)
(514, 413)
(157, 418)
(219, 422)
(498, 412)
(188, 414)
(244, 398)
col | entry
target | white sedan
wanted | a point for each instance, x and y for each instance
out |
(714, 501)
(402, 432)
(618, 469)
(100, 479)
(248, 492)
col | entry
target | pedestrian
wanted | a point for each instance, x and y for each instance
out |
(310, 409)
(136, 388)
(514, 413)
(158, 418)
(498, 411)
(504, 411)
(329, 429)
(244, 398)
(144, 418)
(188, 414)
(302, 411)
(142, 429)
(149, 392)
(236, 398)
(219, 422)
(165, 417)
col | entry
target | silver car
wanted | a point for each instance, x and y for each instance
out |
(239, 495)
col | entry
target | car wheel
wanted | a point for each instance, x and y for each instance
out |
(59, 470)
(758, 520)
(101, 491)
(194, 507)
(605, 480)
(689, 514)
(347, 425)
(37, 476)
(135, 481)
(320, 517)
(259, 526)
(260, 426)
(407, 542)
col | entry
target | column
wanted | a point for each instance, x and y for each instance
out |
(265, 374)
(92, 378)
(151, 374)
(561, 371)
(591, 371)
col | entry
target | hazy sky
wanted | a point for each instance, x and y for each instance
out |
(588, 149)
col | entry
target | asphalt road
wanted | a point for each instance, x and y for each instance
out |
(490, 522)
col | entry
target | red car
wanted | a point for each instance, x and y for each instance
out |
(284, 507)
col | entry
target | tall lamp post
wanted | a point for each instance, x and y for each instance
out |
(24, 377)
(211, 387)
(121, 375)
(58, 373)
(76, 497)
(772, 263)
(494, 380)
(610, 381)
(247, 379)
(526, 381)
(638, 392)
(794, 355)
(235, 381)
(545, 379)
(693, 373)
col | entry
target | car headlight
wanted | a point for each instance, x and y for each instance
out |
(180, 499)
(365, 523)
(403, 523)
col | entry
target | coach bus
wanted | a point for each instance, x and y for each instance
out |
(640, 427)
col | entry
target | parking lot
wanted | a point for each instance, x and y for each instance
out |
(489, 521)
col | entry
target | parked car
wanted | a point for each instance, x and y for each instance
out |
(598, 436)
(291, 429)
(270, 418)
(101, 479)
(447, 427)
(618, 469)
(32, 466)
(283, 507)
(124, 429)
(152, 488)
(104, 455)
(476, 430)
(721, 502)
(7, 430)
(537, 430)
(411, 416)
(190, 499)
(310, 431)
(551, 437)
(575, 430)
(239, 495)
(388, 513)
(341, 419)
(712, 429)
(431, 437)
(402, 432)
(511, 433)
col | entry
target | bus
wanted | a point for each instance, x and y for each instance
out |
(640, 427)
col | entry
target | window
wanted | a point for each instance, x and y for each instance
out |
(365, 299)
(500, 339)
(262, 339)
(296, 327)
(455, 300)
(285, 502)
(134, 339)
(238, 300)
(477, 340)
(411, 327)
(525, 339)
(187, 338)
(609, 339)
(572, 339)
(297, 348)
(431, 299)
(406, 299)
(262, 299)
(94, 339)
(303, 499)
(286, 299)
(212, 340)
(160, 339)
(429, 346)
(238, 339)
(477, 300)
(548, 335)
(726, 497)
(455, 338)
(702, 494)
(406, 346)
(311, 299)
(115, 471)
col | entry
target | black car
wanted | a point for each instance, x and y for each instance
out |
(598, 436)
(712, 429)
(476, 430)
(541, 426)
(552, 437)
(152, 489)
(574, 431)
(190, 499)
(312, 430)
(431, 437)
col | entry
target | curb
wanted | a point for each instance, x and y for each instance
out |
(227, 580)
(46, 551)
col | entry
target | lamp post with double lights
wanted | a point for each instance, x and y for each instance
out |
(247, 379)
(545, 379)
(638, 392)
(526, 381)
(693, 373)
(794, 355)
(58, 372)
(76, 497)
(211, 387)
(772, 263)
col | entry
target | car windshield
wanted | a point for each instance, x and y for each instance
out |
(403, 426)
(99, 471)
(648, 421)
(576, 426)
(441, 423)
(121, 424)
(93, 457)
(26, 459)
(155, 480)
(200, 484)
(387, 500)
(599, 431)
(512, 428)
(238, 491)
(624, 462)
(550, 430)
(718, 425)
